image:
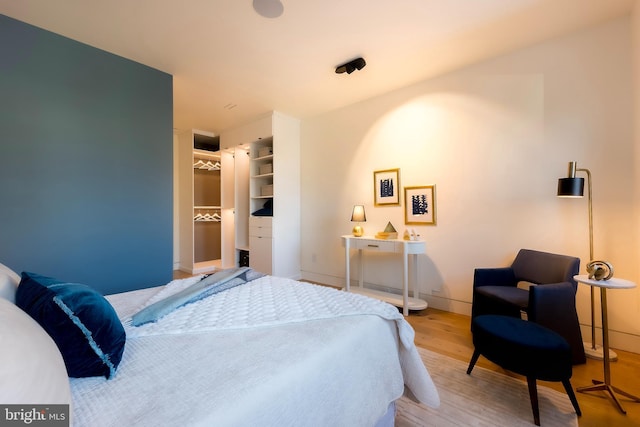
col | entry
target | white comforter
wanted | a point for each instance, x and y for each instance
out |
(272, 352)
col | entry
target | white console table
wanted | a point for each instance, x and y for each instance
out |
(404, 247)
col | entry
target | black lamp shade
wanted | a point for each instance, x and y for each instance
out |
(570, 187)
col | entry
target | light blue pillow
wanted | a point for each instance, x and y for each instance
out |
(209, 285)
(82, 323)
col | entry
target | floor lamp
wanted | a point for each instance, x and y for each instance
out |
(574, 187)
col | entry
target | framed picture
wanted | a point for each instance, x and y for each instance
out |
(420, 205)
(386, 187)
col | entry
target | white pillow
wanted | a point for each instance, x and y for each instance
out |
(9, 282)
(31, 367)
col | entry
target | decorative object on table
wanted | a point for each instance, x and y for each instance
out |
(573, 187)
(420, 205)
(600, 270)
(388, 233)
(410, 234)
(358, 215)
(386, 187)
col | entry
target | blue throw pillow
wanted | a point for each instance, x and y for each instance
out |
(82, 323)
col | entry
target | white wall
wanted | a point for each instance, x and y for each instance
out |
(635, 20)
(494, 138)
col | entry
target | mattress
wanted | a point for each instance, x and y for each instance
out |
(228, 360)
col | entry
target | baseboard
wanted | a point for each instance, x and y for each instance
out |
(337, 282)
(446, 304)
(617, 340)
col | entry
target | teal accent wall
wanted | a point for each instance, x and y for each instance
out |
(86, 186)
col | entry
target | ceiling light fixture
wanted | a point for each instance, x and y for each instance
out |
(268, 8)
(351, 66)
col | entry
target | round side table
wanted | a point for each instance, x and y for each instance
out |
(606, 385)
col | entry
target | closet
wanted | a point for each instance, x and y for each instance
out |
(207, 209)
(221, 187)
(199, 195)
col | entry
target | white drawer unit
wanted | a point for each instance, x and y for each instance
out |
(260, 224)
(261, 244)
(404, 247)
(260, 231)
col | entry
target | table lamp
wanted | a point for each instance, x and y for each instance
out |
(358, 216)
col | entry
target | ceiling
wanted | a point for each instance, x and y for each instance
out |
(231, 65)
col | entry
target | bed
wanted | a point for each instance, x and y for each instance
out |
(266, 351)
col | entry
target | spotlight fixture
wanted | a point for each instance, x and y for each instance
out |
(351, 66)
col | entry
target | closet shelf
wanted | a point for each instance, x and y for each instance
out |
(264, 175)
(206, 154)
(208, 207)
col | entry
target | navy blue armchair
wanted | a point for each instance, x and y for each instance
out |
(550, 299)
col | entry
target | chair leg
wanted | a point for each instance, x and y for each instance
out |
(533, 395)
(474, 359)
(572, 396)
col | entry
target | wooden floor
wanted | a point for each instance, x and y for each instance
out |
(448, 334)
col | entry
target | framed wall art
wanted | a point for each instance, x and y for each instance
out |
(420, 205)
(386, 187)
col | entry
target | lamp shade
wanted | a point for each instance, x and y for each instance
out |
(570, 187)
(358, 214)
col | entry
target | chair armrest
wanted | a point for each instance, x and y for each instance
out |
(503, 276)
(550, 302)
(554, 306)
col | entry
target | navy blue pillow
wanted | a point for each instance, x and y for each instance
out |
(82, 323)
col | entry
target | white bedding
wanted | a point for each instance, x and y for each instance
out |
(266, 353)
